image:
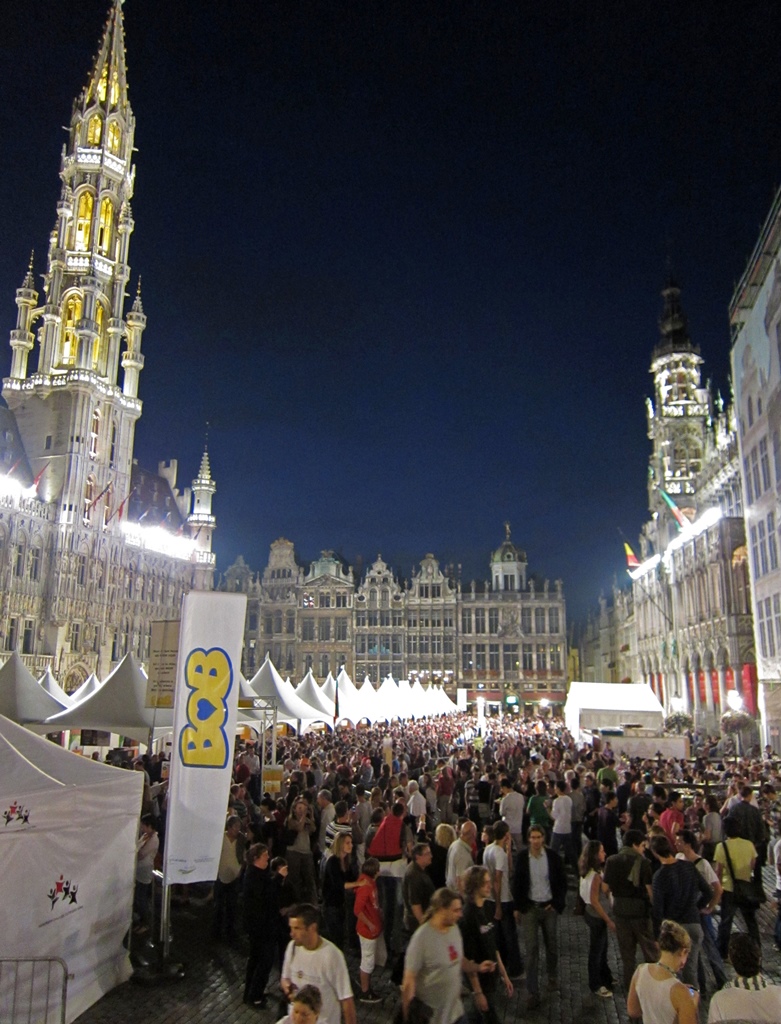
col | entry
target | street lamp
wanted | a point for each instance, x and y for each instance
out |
(677, 704)
(734, 700)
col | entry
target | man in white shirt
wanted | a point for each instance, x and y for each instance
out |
(561, 839)
(312, 960)
(511, 809)
(750, 996)
(496, 857)
(417, 802)
(459, 856)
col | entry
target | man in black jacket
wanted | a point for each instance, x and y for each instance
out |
(540, 895)
(679, 890)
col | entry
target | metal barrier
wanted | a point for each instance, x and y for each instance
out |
(33, 990)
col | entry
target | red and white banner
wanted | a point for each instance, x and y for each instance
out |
(205, 705)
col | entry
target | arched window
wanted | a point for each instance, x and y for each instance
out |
(89, 499)
(83, 222)
(94, 434)
(103, 86)
(100, 345)
(95, 130)
(105, 223)
(70, 341)
(112, 454)
(114, 137)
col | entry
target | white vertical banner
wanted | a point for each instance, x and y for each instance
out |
(205, 706)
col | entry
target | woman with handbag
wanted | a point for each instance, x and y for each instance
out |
(734, 863)
(592, 860)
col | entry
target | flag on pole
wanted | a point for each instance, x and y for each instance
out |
(107, 488)
(121, 508)
(631, 558)
(10, 471)
(37, 480)
(336, 703)
(680, 518)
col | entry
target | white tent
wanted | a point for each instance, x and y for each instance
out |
(351, 702)
(388, 702)
(595, 706)
(21, 698)
(67, 847)
(118, 706)
(53, 688)
(329, 687)
(269, 684)
(87, 688)
(418, 700)
(370, 704)
(310, 693)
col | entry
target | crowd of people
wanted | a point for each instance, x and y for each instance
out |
(449, 856)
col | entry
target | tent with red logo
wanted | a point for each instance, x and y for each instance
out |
(68, 830)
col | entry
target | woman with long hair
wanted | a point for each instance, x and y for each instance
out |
(592, 860)
(444, 837)
(656, 993)
(339, 875)
(479, 935)
(300, 826)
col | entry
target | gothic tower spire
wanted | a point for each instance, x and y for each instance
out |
(203, 523)
(680, 412)
(75, 417)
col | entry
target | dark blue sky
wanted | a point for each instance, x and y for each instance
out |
(406, 257)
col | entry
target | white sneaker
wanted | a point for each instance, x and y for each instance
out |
(605, 993)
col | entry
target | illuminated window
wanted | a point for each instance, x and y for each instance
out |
(89, 500)
(83, 222)
(114, 137)
(104, 226)
(113, 448)
(70, 340)
(95, 130)
(100, 345)
(103, 88)
(94, 434)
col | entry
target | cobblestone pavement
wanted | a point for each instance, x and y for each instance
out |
(210, 991)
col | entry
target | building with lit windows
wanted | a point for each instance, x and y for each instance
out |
(92, 547)
(503, 639)
(687, 629)
(755, 314)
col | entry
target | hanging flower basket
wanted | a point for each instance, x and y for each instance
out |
(678, 721)
(736, 721)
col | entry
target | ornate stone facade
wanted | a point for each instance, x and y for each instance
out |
(502, 638)
(92, 547)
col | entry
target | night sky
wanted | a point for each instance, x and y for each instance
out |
(406, 258)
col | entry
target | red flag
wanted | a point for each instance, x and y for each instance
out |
(37, 480)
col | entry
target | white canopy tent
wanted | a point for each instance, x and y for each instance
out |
(351, 703)
(87, 688)
(388, 702)
(595, 706)
(270, 685)
(53, 688)
(21, 698)
(66, 890)
(369, 703)
(118, 706)
(309, 692)
(328, 688)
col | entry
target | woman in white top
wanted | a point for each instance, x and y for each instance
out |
(656, 994)
(592, 860)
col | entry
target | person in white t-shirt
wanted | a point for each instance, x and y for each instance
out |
(561, 838)
(313, 960)
(751, 996)
(511, 809)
